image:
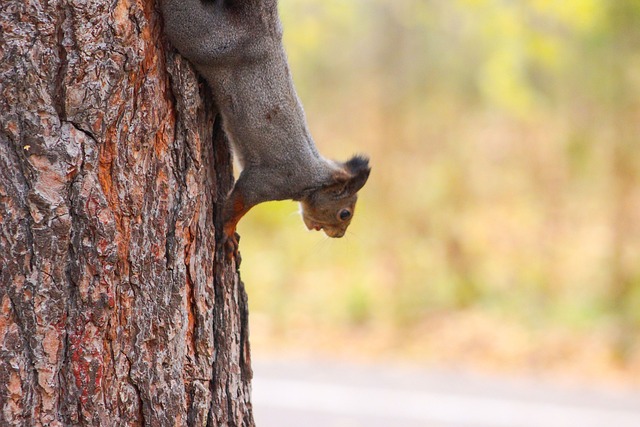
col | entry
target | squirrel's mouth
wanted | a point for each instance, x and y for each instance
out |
(328, 230)
(334, 233)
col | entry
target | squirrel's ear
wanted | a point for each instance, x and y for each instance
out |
(358, 167)
(357, 164)
(352, 176)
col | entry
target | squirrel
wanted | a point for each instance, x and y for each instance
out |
(236, 45)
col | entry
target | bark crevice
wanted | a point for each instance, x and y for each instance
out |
(115, 308)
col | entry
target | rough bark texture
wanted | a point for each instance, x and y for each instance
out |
(114, 308)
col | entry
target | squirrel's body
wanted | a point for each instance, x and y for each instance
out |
(237, 46)
(268, 132)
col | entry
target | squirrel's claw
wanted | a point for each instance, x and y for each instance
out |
(229, 246)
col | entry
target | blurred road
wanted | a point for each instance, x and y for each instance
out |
(319, 394)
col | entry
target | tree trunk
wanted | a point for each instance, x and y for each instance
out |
(114, 308)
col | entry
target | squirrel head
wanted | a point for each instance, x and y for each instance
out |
(330, 208)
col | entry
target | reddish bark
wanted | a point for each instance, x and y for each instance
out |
(114, 308)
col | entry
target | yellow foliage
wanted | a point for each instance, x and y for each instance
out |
(579, 15)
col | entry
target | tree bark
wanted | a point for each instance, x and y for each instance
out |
(114, 308)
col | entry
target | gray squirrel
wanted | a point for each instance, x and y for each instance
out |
(237, 46)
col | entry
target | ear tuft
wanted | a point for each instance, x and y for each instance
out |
(358, 169)
(357, 164)
(350, 176)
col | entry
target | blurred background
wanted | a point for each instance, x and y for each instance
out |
(500, 228)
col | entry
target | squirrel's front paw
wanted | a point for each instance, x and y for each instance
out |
(229, 246)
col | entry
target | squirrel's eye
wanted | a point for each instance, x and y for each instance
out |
(344, 214)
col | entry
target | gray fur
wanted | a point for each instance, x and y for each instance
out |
(237, 47)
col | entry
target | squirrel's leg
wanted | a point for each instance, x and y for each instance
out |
(238, 203)
(234, 208)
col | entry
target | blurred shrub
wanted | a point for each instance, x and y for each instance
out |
(506, 166)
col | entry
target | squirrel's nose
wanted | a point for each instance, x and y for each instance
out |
(313, 226)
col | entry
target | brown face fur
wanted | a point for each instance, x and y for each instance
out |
(331, 207)
(323, 211)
